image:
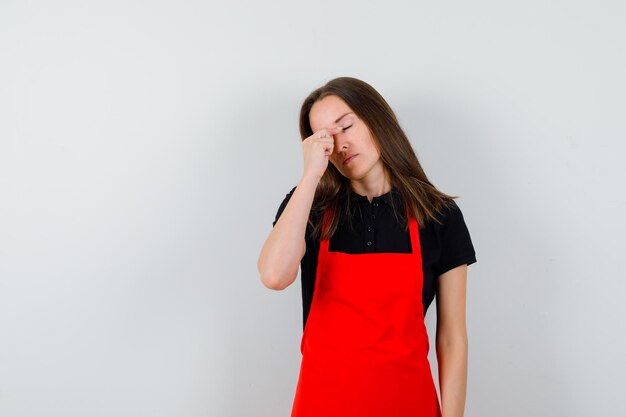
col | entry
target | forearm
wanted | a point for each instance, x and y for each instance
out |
(283, 249)
(452, 366)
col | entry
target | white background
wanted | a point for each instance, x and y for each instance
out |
(145, 147)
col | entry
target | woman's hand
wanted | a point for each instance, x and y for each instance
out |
(316, 149)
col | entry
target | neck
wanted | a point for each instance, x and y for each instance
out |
(371, 188)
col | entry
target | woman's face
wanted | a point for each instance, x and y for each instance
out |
(355, 139)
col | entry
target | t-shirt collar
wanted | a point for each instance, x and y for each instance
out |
(385, 198)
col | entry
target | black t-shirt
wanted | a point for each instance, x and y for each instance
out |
(443, 246)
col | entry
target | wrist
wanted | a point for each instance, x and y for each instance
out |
(310, 179)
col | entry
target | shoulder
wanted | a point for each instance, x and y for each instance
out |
(448, 216)
(452, 212)
(454, 239)
(453, 224)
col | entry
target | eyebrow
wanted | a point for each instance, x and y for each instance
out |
(342, 116)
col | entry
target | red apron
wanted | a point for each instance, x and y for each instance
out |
(365, 346)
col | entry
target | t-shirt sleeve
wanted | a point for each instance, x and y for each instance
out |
(456, 243)
(283, 205)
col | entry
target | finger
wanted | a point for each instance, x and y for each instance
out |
(323, 134)
(330, 131)
(333, 130)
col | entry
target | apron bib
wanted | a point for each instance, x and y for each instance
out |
(365, 345)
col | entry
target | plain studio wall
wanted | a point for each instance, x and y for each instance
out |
(145, 148)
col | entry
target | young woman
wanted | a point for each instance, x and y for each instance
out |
(375, 241)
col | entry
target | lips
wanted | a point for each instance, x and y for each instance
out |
(348, 158)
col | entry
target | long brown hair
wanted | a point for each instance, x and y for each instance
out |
(399, 160)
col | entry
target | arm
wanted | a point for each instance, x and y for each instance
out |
(451, 341)
(285, 246)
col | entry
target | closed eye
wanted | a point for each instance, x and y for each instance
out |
(345, 128)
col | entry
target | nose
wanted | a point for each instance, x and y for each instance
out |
(340, 143)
